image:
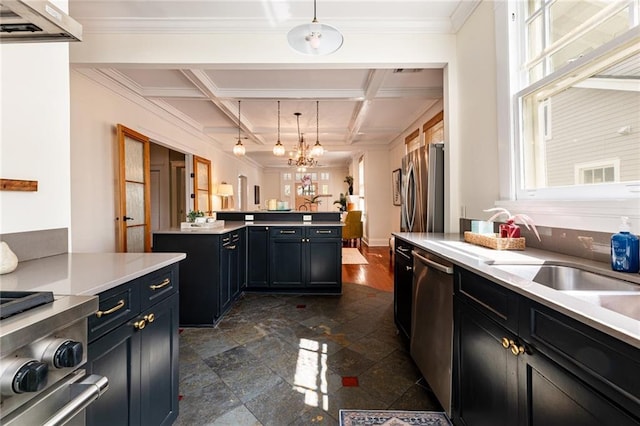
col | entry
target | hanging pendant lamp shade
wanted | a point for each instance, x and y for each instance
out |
(315, 38)
(239, 149)
(278, 149)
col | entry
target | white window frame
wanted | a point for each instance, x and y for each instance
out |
(580, 168)
(576, 207)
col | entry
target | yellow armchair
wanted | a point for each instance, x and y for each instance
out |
(352, 229)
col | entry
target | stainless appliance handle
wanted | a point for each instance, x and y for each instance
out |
(88, 391)
(409, 218)
(442, 268)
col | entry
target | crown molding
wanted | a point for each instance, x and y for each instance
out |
(219, 25)
(462, 13)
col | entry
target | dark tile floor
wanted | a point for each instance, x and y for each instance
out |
(289, 360)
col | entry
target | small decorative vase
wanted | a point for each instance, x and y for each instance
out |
(8, 259)
(509, 230)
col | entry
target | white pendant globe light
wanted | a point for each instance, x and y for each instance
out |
(315, 38)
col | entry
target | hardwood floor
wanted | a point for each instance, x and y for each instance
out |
(377, 274)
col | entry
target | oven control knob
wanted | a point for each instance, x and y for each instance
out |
(68, 354)
(24, 375)
(58, 353)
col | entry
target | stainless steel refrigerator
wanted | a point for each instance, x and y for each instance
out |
(423, 189)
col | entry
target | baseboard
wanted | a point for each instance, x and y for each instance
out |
(376, 242)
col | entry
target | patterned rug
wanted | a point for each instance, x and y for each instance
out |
(392, 418)
(352, 256)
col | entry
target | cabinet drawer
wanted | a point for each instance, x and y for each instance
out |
(324, 232)
(158, 285)
(115, 307)
(499, 303)
(286, 232)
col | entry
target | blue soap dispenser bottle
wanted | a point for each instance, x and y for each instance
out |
(624, 249)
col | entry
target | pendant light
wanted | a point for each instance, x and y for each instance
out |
(239, 149)
(278, 150)
(317, 149)
(315, 38)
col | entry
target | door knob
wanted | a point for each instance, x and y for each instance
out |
(125, 218)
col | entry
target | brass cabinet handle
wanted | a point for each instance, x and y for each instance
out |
(506, 343)
(233, 247)
(323, 231)
(139, 325)
(408, 268)
(164, 283)
(286, 231)
(118, 306)
(516, 350)
(149, 318)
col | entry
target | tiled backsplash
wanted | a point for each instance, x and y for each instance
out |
(584, 244)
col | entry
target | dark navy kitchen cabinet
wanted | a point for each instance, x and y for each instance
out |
(133, 341)
(257, 257)
(403, 287)
(517, 362)
(212, 274)
(306, 259)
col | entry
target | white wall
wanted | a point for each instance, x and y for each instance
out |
(477, 114)
(34, 141)
(377, 197)
(95, 111)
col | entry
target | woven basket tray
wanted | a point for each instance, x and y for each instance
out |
(494, 242)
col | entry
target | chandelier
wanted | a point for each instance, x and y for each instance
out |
(304, 157)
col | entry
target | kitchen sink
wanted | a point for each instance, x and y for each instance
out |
(608, 292)
(568, 278)
(627, 304)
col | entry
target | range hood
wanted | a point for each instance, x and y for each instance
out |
(24, 21)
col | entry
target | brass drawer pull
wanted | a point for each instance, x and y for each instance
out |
(506, 343)
(323, 231)
(230, 247)
(139, 325)
(164, 283)
(118, 306)
(288, 232)
(149, 318)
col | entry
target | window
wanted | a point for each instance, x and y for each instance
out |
(581, 58)
(605, 171)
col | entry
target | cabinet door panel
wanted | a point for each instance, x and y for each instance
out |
(485, 380)
(159, 364)
(325, 268)
(403, 288)
(116, 356)
(287, 265)
(258, 257)
(552, 396)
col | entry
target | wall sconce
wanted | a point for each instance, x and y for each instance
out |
(225, 191)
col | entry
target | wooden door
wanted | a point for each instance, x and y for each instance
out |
(202, 185)
(134, 179)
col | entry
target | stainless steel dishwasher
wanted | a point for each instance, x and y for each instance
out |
(432, 323)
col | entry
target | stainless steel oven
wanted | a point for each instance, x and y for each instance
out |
(42, 352)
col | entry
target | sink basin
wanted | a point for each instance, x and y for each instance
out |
(627, 304)
(567, 278)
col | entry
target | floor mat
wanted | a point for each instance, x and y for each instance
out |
(395, 418)
(352, 256)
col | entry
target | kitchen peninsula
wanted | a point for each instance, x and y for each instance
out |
(258, 251)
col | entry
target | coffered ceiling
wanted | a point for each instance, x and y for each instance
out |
(359, 107)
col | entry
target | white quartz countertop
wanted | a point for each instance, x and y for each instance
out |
(232, 226)
(481, 260)
(84, 274)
